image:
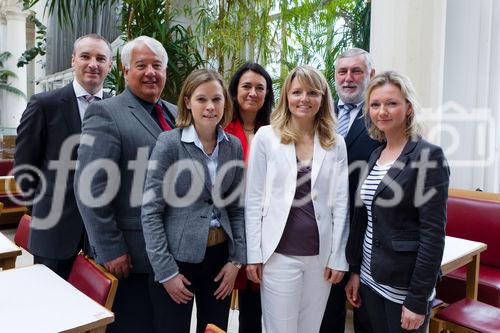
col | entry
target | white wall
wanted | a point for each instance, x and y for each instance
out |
(450, 51)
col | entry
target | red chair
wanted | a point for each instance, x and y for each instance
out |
(211, 328)
(93, 280)
(6, 166)
(468, 316)
(23, 232)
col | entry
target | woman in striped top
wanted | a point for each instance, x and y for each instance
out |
(396, 241)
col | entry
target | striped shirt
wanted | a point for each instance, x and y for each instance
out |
(370, 185)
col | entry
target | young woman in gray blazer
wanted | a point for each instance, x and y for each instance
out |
(397, 234)
(192, 220)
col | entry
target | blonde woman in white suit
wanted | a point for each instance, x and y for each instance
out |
(296, 206)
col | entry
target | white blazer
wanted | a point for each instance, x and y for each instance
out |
(270, 191)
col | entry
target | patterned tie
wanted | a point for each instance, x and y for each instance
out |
(344, 117)
(91, 98)
(161, 118)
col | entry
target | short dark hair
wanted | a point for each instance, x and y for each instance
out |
(264, 113)
(93, 36)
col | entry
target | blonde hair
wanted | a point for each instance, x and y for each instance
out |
(194, 80)
(413, 124)
(324, 122)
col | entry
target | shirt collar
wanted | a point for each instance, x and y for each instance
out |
(148, 106)
(189, 135)
(341, 103)
(81, 92)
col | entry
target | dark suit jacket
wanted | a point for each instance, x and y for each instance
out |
(122, 129)
(49, 119)
(408, 235)
(180, 233)
(359, 148)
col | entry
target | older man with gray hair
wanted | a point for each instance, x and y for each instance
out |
(117, 138)
(353, 71)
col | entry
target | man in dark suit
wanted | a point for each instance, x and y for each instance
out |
(47, 135)
(353, 70)
(117, 138)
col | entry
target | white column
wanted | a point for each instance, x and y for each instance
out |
(409, 36)
(449, 49)
(16, 45)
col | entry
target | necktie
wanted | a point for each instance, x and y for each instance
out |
(161, 117)
(344, 117)
(91, 98)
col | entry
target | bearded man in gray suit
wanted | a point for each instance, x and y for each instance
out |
(117, 138)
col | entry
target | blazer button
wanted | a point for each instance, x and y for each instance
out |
(314, 197)
(317, 216)
(209, 201)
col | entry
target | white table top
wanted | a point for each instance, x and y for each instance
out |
(456, 249)
(6, 245)
(35, 299)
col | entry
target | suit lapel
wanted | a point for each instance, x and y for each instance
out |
(397, 167)
(318, 157)
(70, 111)
(141, 114)
(223, 158)
(356, 129)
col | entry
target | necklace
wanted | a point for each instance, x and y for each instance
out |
(248, 130)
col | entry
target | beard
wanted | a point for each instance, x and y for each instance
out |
(356, 96)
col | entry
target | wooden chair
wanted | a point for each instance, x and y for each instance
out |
(467, 316)
(23, 232)
(93, 280)
(11, 212)
(211, 328)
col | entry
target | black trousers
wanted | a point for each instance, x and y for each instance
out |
(250, 316)
(385, 316)
(60, 267)
(176, 318)
(335, 312)
(132, 306)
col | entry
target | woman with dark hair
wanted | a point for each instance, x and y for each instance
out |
(252, 95)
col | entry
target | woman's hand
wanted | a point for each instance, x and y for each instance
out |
(333, 276)
(228, 275)
(352, 290)
(254, 272)
(411, 320)
(176, 288)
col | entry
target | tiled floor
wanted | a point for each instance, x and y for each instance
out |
(27, 259)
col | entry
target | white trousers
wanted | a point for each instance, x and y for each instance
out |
(293, 294)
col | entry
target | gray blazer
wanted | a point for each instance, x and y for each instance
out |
(120, 126)
(180, 233)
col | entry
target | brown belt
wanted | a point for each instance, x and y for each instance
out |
(216, 236)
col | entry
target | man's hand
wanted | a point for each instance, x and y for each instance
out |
(119, 267)
(352, 290)
(176, 288)
(333, 276)
(411, 320)
(228, 275)
(254, 272)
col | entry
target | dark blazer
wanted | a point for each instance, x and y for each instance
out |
(123, 130)
(359, 148)
(49, 119)
(180, 233)
(408, 235)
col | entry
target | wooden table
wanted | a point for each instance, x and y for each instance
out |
(459, 252)
(35, 299)
(8, 252)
